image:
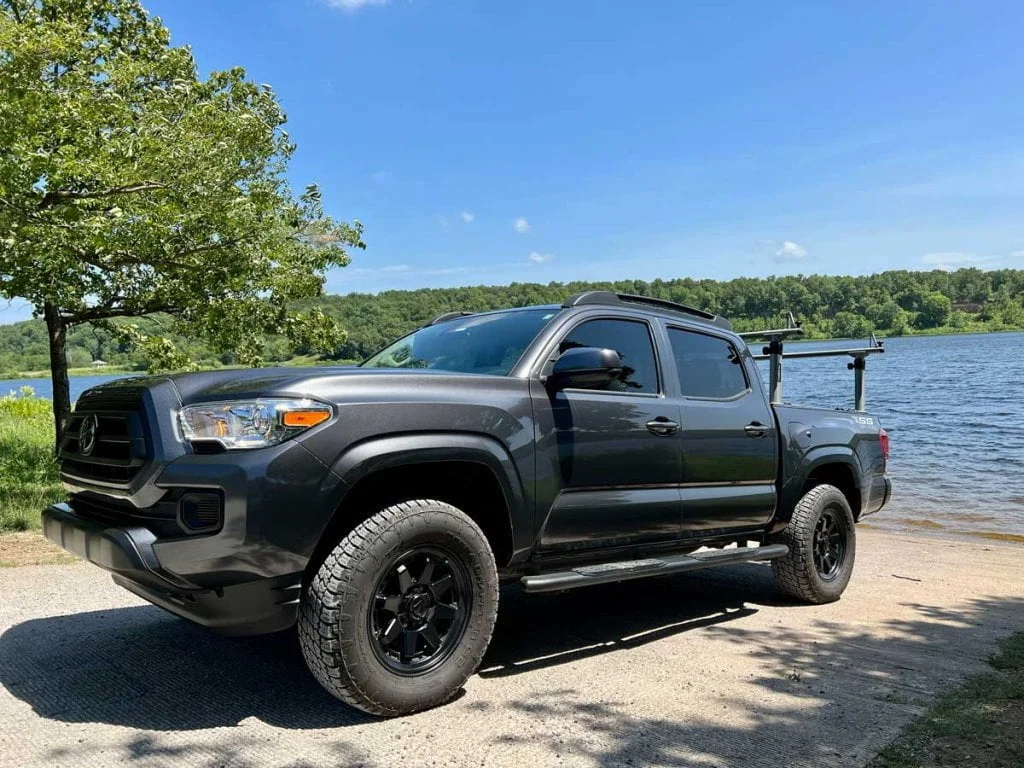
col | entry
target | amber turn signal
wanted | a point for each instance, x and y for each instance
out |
(304, 418)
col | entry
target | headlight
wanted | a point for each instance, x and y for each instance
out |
(240, 424)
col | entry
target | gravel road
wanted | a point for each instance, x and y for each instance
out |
(704, 669)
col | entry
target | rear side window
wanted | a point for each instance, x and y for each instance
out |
(632, 340)
(708, 366)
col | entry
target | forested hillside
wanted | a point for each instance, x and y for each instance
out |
(890, 303)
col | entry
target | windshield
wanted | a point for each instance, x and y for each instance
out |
(488, 344)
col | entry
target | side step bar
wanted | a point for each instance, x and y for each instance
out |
(605, 573)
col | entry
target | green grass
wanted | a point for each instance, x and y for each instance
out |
(981, 724)
(28, 471)
(110, 370)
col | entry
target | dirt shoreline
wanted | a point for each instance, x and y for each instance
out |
(708, 668)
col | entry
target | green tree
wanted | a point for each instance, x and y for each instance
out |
(848, 325)
(129, 185)
(889, 315)
(934, 309)
(1002, 308)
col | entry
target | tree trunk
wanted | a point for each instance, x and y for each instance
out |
(57, 332)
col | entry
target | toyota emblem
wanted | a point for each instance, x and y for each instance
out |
(87, 434)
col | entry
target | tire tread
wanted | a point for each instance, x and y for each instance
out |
(323, 605)
(793, 573)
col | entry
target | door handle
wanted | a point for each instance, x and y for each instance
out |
(662, 426)
(755, 429)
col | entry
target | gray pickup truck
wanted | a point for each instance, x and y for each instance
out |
(378, 507)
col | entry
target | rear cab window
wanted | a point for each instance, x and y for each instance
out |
(709, 367)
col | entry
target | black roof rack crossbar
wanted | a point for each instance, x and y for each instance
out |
(444, 318)
(792, 329)
(612, 298)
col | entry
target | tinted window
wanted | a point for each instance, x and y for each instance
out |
(708, 367)
(476, 344)
(632, 340)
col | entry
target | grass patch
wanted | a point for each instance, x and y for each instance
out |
(980, 724)
(110, 370)
(29, 478)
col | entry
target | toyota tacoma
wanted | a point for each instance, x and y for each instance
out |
(378, 507)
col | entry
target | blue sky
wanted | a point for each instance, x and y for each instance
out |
(490, 142)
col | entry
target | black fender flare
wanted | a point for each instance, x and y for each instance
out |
(390, 451)
(817, 457)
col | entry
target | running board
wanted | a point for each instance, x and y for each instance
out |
(605, 573)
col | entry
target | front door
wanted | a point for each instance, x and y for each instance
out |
(609, 458)
(728, 436)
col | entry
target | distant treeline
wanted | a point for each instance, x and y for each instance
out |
(890, 303)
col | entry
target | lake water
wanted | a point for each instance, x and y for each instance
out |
(44, 388)
(954, 410)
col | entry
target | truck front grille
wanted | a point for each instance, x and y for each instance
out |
(105, 440)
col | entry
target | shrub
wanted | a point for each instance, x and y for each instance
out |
(28, 469)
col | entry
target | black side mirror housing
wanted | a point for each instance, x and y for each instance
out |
(585, 367)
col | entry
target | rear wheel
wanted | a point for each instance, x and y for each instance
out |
(401, 612)
(822, 547)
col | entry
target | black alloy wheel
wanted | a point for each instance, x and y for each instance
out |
(418, 614)
(822, 542)
(829, 544)
(400, 612)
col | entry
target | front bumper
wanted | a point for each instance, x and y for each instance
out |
(256, 606)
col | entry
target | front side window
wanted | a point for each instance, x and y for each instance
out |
(708, 366)
(488, 344)
(632, 340)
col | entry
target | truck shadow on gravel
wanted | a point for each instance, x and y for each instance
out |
(143, 668)
(539, 631)
(833, 691)
(833, 694)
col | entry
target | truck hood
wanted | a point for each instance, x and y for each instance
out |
(315, 382)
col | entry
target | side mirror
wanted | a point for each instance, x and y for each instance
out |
(585, 367)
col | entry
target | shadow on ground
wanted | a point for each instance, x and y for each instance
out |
(831, 691)
(832, 695)
(143, 668)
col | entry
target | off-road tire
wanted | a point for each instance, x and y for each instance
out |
(797, 575)
(335, 615)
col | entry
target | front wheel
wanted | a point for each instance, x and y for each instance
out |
(399, 615)
(822, 546)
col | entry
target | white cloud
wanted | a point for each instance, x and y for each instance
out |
(467, 216)
(952, 259)
(535, 257)
(522, 226)
(385, 270)
(790, 251)
(380, 177)
(443, 221)
(353, 5)
(449, 270)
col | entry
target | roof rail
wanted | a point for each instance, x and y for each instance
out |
(444, 318)
(611, 298)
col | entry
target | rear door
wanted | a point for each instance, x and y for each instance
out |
(728, 434)
(609, 459)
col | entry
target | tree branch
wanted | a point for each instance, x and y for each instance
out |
(15, 10)
(105, 313)
(57, 196)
